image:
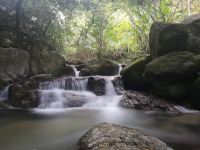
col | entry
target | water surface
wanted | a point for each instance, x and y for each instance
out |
(60, 129)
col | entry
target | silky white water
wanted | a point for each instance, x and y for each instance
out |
(59, 93)
(55, 94)
(4, 94)
(120, 69)
(75, 70)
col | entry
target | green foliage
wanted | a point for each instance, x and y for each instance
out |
(95, 28)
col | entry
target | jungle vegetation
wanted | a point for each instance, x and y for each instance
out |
(85, 29)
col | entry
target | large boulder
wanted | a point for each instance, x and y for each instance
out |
(108, 67)
(141, 101)
(48, 62)
(108, 136)
(70, 71)
(96, 85)
(14, 64)
(23, 95)
(194, 100)
(171, 75)
(118, 85)
(103, 67)
(133, 75)
(192, 23)
(166, 37)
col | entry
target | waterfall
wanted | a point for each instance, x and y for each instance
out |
(76, 84)
(110, 90)
(75, 70)
(54, 84)
(120, 69)
(4, 93)
(73, 92)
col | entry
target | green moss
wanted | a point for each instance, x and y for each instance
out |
(132, 75)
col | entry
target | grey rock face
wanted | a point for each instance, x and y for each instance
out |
(107, 136)
(140, 101)
(14, 64)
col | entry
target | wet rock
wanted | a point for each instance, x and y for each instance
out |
(74, 100)
(107, 136)
(192, 23)
(48, 63)
(141, 101)
(166, 38)
(133, 75)
(69, 71)
(102, 67)
(118, 85)
(41, 77)
(14, 64)
(81, 66)
(171, 75)
(96, 85)
(23, 96)
(86, 72)
(4, 104)
(107, 67)
(194, 99)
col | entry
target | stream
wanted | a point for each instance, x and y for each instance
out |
(53, 126)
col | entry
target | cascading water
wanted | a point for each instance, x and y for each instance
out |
(73, 91)
(75, 70)
(120, 69)
(4, 94)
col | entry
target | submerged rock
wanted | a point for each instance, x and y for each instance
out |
(107, 136)
(133, 75)
(140, 101)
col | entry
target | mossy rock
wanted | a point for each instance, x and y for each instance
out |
(132, 75)
(173, 67)
(104, 67)
(166, 38)
(107, 67)
(172, 75)
(48, 62)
